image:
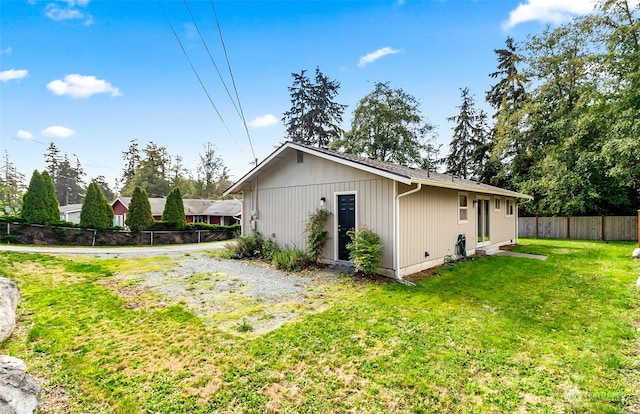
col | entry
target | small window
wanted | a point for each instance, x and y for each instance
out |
(463, 208)
(496, 204)
(511, 207)
(300, 155)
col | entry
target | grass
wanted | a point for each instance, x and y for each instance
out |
(497, 334)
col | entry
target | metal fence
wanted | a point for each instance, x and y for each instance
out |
(580, 228)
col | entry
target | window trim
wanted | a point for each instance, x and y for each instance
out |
(510, 203)
(465, 207)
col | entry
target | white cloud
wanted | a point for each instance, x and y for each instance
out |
(70, 11)
(373, 56)
(22, 134)
(58, 132)
(548, 11)
(6, 51)
(263, 121)
(80, 86)
(13, 74)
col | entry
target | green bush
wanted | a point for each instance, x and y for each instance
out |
(249, 246)
(364, 250)
(174, 210)
(96, 210)
(39, 204)
(139, 216)
(291, 259)
(316, 233)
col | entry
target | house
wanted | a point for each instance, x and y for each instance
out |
(420, 216)
(222, 212)
(70, 213)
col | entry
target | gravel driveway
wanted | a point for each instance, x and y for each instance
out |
(239, 295)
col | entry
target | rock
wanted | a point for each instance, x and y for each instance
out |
(9, 296)
(19, 392)
(636, 253)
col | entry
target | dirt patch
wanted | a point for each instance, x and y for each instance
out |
(236, 296)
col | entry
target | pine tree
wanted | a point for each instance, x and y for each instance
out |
(33, 204)
(139, 216)
(314, 117)
(96, 210)
(174, 209)
(51, 201)
(468, 141)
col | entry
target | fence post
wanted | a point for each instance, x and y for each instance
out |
(568, 227)
(602, 228)
(537, 232)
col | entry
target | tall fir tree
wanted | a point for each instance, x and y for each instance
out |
(469, 139)
(96, 210)
(174, 209)
(39, 205)
(314, 117)
(139, 215)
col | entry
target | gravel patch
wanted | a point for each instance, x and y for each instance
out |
(239, 295)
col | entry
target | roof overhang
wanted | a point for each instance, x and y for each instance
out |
(238, 185)
(471, 188)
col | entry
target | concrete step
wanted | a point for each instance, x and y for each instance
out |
(487, 250)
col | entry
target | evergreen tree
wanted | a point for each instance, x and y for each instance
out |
(314, 117)
(51, 201)
(39, 205)
(174, 209)
(468, 137)
(139, 215)
(151, 173)
(131, 158)
(11, 186)
(96, 210)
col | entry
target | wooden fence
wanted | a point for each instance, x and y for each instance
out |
(581, 228)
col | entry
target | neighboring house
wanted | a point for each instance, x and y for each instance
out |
(70, 213)
(418, 215)
(222, 212)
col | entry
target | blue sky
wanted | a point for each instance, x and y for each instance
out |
(91, 75)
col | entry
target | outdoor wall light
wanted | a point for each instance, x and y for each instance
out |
(475, 203)
(322, 201)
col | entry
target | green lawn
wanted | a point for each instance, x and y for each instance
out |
(498, 334)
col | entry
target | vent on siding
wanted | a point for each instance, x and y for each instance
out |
(300, 155)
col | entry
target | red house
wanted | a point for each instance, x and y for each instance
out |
(222, 212)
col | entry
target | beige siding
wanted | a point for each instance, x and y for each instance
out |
(429, 223)
(289, 191)
(502, 228)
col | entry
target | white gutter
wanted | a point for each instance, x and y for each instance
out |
(397, 228)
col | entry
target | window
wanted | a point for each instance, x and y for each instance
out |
(511, 207)
(200, 219)
(463, 208)
(496, 204)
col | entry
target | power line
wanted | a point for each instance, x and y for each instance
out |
(194, 70)
(233, 81)
(211, 58)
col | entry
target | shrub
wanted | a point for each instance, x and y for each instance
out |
(139, 216)
(96, 210)
(39, 204)
(364, 250)
(174, 210)
(291, 260)
(249, 246)
(316, 233)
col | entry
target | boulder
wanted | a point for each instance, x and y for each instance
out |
(9, 296)
(19, 392)
(636, 253)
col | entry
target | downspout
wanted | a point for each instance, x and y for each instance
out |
(397, 230)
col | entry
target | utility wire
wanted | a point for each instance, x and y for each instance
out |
(211, 58)
(195, 71)
(233, 81)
